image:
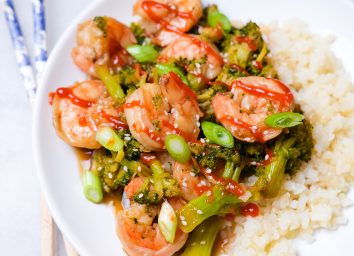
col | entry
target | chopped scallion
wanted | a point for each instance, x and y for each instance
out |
(167, 222)
(143, 53)
(217, 134)
(165, 68)
(215, 17)
(108, 138)
(178, 148)
(284, 120)
(92, 187)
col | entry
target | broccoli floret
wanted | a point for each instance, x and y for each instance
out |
(290, 149)
(101, 23)
(246, 52)
(110, 172)
(205, 97)
(138, 32)
(208, 155)
(128, 78)
(158, 186)
(132, 148)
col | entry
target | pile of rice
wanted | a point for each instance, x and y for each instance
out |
(315, 196)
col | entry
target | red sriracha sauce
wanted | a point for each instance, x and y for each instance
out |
(250, 209)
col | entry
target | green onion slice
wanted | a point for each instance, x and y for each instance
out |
(284, 120)
(92, 187)
(108, 138)
(143, 53)
(215, 17)
(113, 87)
(165, 68)
(178, 148)
(218, 134)
(167, 222)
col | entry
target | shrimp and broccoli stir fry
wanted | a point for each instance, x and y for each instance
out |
(178, 110)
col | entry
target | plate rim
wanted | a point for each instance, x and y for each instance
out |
(44, 185)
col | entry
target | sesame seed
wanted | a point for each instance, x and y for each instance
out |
(110, 176)
(194, 244)
(208, 170)
(192, 174)
(182, 217)
(199, 212)
(184, 223)
(202, 242)
(100, 168)
(141, 195)
(125, 168)
(139, 168)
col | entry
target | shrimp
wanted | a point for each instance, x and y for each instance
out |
(139, 233)
(191, 47)
(165, 20)
(252, 99)
(102, 41)
(80, 109)
(155, 110)
(190, 184)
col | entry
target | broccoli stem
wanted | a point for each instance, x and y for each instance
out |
(270, 182)
(113, 87)
(202, 239)
(199, 209)
(237, 173)
(271, 179)
(229, 170)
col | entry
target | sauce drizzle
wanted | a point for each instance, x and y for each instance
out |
(249, 41)
(151, 8)
(230, 185)
(283, 99)
(252, 129)
(67, 93)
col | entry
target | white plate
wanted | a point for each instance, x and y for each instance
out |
(91, 228)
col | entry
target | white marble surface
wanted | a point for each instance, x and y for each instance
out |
(19, 188)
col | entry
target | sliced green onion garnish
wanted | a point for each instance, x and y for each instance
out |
(165, 68)
(201, 240)
(92, 187)
(107, 137)
(284, 120)
(113, 87)
(218, 134)
(178, 148)
(215, 17)
(167, 222)
(143, 53)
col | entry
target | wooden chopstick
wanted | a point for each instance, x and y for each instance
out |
(48, 244)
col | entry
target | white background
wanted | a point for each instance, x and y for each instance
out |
(19, 188)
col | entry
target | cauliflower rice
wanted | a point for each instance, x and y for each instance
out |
(315, 196)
